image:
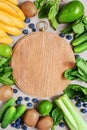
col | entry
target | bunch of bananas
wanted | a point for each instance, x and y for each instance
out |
(11, 20)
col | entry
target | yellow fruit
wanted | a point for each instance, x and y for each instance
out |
(2, 33)
(10, 20)
(14, 1)
(5, 7)
(4, 18)
(15, 8)
(6, 40)
(18, 22)
(11, 30)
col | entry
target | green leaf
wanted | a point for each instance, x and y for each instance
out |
(54, 23)
(53, 10)
(57, 115)
(74, 90)
(39, 3)
(78, 28)
(43, 13)
(71, 74)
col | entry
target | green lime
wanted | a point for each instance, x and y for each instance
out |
(45, 107)
(5, 50)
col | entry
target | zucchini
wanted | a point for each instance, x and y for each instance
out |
(8, 104)
(8, 117)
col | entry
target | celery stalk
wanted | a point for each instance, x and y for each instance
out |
(71, 115)
(67, 114)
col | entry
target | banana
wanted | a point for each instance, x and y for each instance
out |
(18, 22)
(14, 1)
(5, 7)
(6, 40)
(2, 33)
(10, 20)
(11, 30)
(6, 19)
(15, 8)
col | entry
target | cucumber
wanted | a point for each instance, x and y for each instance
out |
(80, 48)
(19, 111)
(8, 104)
(80, 39)
(9, 115)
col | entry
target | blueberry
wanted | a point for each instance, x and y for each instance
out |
(78, 104)
(62, 124)
(29, 104)
(21, 123)
(24, 127)
(77, 56)
(18, 126)
(69, 37)
(20, 98)
(18, 120)
(34, 29)
(85, 105)
(25, 31)
(15, 90)
(77, 99)
(27, 20)
(35, 100)
(62, 35)
(32, 25)
(27, 98)
(13, 124)
(83, 110)
(18, 102)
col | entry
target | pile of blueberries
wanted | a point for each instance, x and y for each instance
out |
(31, 26)
(68, 37)
(81, 104)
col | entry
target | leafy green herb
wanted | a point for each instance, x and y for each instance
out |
(43, 13)
(53, 10)
(74, 90)
(50, 10)
(78, 28)
(57, 115)
(80, 72)
(54, 23)
(39, 3)
(6, 76)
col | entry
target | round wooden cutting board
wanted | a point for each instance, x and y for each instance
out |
(39, 61)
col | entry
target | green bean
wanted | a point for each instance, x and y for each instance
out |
(80, 39)
(80, 48)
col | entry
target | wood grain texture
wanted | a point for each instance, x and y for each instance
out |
(39, 61)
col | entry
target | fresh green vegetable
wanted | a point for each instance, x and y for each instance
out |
(50, 10)
(71, 115)
(54, 23)
(39, 3)
(74, 90)
(80, 48)
(9, 115)
(45, 8)
(19, 111)
(8, 104)
(67, 29)
(82, 38)
(6, 76)
(78, 28)
(45, 107)
(57, 115)
(80, 72)
(71, 12)
(5, 50)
